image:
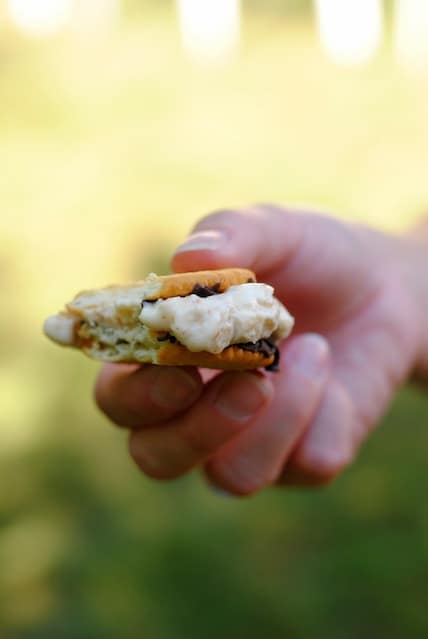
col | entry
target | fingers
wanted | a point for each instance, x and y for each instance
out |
(239, 238)
(256, 457)
(328, 445)
(135, 396)
(288, 247)
(228, 406)
(368, 366)
(374, 353)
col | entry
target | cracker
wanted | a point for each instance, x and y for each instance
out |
(232, 358)
(182, 284)
(167, 354)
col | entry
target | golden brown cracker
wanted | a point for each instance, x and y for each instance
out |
(182, 284)
(232, 358)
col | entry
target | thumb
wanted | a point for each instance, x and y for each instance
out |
(302, 254)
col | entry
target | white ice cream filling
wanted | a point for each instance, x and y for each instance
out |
(243, 313)
(60, 329)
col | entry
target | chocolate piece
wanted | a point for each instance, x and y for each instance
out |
(274, 367)
(206, 291)
(267, 348)
(200, 291)
(147, 302)
(167, 338)
(251, 281)
(122, 341)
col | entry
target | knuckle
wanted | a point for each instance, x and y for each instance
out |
(116, 406)
(196, 439)
(298, 410)
(222, 217)
(270, 210)
(105, 403)
(146, 464)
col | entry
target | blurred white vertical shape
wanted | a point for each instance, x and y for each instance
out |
(95, 16)
(210, 29)
(411, 33)
(350, 30)
(40, 17)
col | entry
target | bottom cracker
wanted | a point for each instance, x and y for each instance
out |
(232, 358)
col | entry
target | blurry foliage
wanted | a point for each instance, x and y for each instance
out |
(274, 7)
(115, 555)
(269, 6)
(109, 153)
(279, 7)
(132, 8)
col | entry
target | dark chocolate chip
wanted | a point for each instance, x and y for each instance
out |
(206, 291)
(251, 280)
(167, 337)
(147, 302)
(266, 348)
(274, 367)
(122, 341)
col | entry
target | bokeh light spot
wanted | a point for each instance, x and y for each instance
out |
(210, 30)
(40, 17)
(350, 30)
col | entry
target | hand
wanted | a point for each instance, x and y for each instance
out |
(358, 337)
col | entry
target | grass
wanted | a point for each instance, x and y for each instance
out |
(110, 150)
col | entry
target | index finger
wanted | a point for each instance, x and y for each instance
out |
(300, 253)
(134, 396)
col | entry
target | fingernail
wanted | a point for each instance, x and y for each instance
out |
(173, 388)
(203, 241)
(309, 355)
(242, 395)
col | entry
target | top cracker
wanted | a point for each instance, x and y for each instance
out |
(182, 284)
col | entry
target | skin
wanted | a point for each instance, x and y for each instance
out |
(360, 299)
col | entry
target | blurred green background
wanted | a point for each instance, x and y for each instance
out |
(112, 144)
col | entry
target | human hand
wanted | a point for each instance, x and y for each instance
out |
(358, 337)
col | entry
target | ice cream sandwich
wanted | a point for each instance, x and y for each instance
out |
(219, 319)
